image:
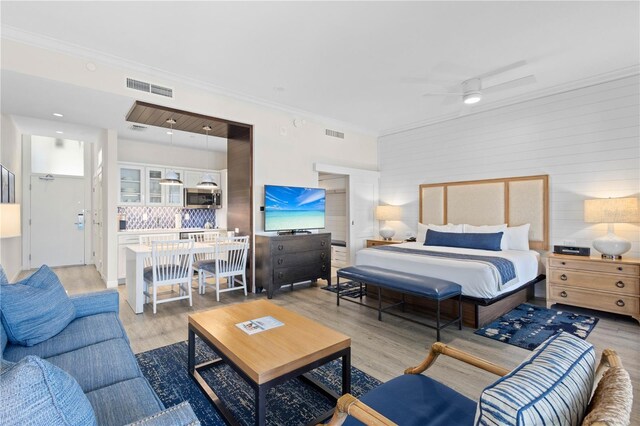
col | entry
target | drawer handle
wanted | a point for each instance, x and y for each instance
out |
(324, 268)
(280, 275)
(323, 255)
(280, 261)
(563, 277)
(620, 303)
(563, 294)
(619, 268)
(563, 263)
(323, 243)
(280, 247)
(620, 284)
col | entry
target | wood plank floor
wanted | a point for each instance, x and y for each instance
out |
(381, 349)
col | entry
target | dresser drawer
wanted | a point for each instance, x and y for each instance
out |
(621, 304)
(301, 258)
(293, 245)
(597, 266)
(300, 273)
(621, 284)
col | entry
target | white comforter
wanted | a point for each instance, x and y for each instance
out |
(477, 279)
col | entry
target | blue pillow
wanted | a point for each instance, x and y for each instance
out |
(37, 392)
(3, 276)
(36, 308)
(490, 241)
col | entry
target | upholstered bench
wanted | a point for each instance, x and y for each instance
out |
(430, 288)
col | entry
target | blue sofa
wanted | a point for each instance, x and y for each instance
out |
(94, 350)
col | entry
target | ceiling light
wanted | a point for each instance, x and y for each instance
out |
(471, 98)
(171, 178)
(59, 132)
(57, 114)
(206, 182)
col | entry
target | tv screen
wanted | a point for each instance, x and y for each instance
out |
(292, 208)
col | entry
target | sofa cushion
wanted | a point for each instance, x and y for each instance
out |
(79, 333)
(36, 308)
(99, 365)
(3, 337)
(415, 399)
(3, 276)
(552, 386)
(35, 392)
(133, 398)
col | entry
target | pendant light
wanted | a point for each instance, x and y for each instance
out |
(171, 177)
(206, 182)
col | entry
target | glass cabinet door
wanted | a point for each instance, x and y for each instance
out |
(130, 185)
(175, 193)
(154, 189)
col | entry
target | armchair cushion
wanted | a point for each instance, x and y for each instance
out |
(124, 402)
(79, 333)
(36, 308)
(552, 386)
(97, 302)
(33, 391)
(415, 399)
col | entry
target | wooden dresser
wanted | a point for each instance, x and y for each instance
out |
(288, 259)
(596, 283)
(373, 243)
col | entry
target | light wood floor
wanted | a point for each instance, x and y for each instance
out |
(381, 349)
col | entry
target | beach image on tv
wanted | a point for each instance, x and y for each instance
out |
(288, 207)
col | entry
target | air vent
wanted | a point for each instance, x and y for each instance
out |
(334, 133)
(143, 86)
(138, 128)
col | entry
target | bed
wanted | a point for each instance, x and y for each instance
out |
(514, 201)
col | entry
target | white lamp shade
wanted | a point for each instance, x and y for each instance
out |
(9, 220)
(611, 210)
(388, 213)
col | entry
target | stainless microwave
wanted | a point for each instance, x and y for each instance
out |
(196, 198)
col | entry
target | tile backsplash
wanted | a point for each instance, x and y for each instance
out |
(164, 217)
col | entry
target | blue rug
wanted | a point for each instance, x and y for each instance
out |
(527, 326)
(291, 403)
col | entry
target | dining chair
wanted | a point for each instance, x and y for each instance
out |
(203, 237)
(171, 264)
(146, 240)
(230, 261)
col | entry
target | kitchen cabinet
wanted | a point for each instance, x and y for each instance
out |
(173, 195)
(131, 185)
(153, 176)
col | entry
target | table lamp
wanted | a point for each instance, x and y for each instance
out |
(610, 211)
(387, 213)
(9, 220)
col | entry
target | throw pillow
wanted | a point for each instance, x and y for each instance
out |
(489, 229)
(422, 230)
(34, 391)
(471, 241)
(36, 308)
(518, 237)
(3, 276)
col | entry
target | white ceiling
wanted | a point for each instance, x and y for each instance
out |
(363, 63)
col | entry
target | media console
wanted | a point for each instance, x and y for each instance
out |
(289, 259)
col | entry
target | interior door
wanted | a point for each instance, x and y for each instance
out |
(97, 222)
(57, 221)
(363, 198)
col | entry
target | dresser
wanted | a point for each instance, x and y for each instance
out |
(288, 259)
(373, 243)
(596, 283)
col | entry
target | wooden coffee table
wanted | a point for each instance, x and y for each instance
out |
(268, 358)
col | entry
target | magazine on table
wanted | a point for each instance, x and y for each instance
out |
(259, 324)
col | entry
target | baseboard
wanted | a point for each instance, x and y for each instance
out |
(112, 283)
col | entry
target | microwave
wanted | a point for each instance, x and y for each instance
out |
(196, 198)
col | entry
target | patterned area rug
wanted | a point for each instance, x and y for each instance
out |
(348, 288)
(527, 326)
(291, 403)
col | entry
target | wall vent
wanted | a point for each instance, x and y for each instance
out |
(334, 133)
(143, 86)
(138, 128)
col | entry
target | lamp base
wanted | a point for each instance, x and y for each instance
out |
(611, 246)
(387, 233)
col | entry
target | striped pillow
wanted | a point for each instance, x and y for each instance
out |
(551, 387)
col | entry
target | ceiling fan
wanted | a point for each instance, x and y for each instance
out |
(473, 89)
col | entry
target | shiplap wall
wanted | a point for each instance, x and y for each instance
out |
(586, 140)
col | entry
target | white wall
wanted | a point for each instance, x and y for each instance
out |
(150, 153)
(586, 140)
(11, 158)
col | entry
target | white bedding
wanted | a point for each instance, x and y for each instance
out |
(477, 279)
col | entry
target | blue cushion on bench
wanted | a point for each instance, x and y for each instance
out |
(415, 399)
(489, 241)
(429, 287)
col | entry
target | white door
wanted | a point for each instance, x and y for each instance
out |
(57, 221)
(97, 222)
(363, 197)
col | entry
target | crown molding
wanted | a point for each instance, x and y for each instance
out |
(71, 49)
(537, 94)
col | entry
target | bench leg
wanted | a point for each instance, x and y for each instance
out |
(403, 303)
(338, 291)
(438, 322)
(360, 291)
(379, 304)
(460, 312)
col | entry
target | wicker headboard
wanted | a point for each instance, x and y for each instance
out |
(514, 201)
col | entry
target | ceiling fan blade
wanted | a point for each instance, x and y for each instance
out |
(502, 69)
(530, 79)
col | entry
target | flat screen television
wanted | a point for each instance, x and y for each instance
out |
(291, 208)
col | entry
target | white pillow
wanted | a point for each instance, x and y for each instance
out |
(422, 230)
(489, 229)
(518, 237)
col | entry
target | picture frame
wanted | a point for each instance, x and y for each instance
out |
(12, 188)
(4, 185)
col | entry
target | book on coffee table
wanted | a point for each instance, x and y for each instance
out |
(259, 324)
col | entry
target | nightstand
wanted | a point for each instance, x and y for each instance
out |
(596, 283)
(375, 242)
